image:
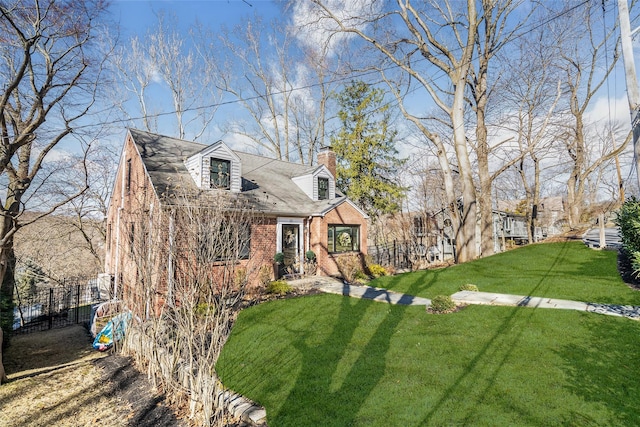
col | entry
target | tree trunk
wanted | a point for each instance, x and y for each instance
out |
(8, 227)
(3, 375)
(7, 268)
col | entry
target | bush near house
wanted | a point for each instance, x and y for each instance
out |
(628, 219)
(441, 304)
(350, 267)
(376, 270)
(278, 287)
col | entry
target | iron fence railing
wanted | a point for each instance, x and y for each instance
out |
(55, 306)
(397, 254)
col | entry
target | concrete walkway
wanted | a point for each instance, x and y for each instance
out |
(487, 298)
(330, 285)
(335, 286)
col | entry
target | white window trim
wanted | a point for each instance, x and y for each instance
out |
(291, 221)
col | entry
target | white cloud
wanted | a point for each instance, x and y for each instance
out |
(616, 109)
(314, 28)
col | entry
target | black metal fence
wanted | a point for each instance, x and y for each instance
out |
(57, 306)
(406, 255)
(397, 254)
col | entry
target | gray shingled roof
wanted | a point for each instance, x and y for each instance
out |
(266, 182)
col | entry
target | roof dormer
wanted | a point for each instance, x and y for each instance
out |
(216, 167)
(318, 185)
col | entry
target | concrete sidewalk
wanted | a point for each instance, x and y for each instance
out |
(375, 294)
(487, 298)
(330, 285)
(335, 286)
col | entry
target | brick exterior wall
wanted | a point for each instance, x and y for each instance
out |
(132, 200)
(134, 207)
(135, 211)
(343, 214)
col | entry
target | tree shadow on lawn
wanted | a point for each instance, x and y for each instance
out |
(465, 399)
(319, 397)
(507, 272)
(328, 393)
(604, 369)
(478, 378)
(421, 281)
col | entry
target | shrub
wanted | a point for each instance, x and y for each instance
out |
(442, 304)
(278, 287)
(264, 275)
(310, 255)
(468, 287)
(204, 309)
(240, 276)
(361, 278)
(628, 219)
(278, 258)
(635, 263)
(349, 266)
(377, 270)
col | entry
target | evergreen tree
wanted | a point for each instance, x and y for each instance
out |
(367, 160)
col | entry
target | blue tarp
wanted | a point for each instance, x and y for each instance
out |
(112, 331)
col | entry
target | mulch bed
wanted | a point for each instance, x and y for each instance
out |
(626, 270)
(126, 382)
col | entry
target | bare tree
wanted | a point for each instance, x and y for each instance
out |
(532, 91)
(483, 80)
(283, 87)
(187, 288)
(135, 74)
(436, 37)
(50, 69)
(585, 60)
(165, 60)
(71, 242)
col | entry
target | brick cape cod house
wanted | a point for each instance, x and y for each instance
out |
(299, 206)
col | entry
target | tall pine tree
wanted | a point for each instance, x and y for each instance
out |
(367, 160)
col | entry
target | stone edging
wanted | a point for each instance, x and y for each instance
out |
(237, 405)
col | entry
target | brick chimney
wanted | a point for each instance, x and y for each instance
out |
(327, 157)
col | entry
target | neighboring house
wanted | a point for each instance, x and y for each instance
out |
(509, 227)
(550, 215)
(299, 206)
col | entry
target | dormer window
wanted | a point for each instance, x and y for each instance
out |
(323, 188)
(220, 174)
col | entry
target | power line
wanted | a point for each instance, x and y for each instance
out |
(356, 75)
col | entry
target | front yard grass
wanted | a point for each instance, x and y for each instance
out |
(332, 360)
(565, 270)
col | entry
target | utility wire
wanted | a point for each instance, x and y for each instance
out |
(357, 75)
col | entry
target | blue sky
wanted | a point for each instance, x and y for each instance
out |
(136, 16)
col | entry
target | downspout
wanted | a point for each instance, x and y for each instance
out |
(170, 260)
(116, 281)
(307, 246)
(148, 266)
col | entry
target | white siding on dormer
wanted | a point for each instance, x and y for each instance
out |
(309, 183)
(194, 167)
(198, 166)
(332, 184)
(305, 182)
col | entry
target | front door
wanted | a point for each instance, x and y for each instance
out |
(290, 245)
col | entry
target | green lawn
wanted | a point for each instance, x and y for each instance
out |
(567, 270)
(332, 360)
